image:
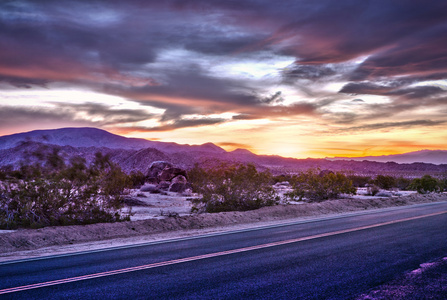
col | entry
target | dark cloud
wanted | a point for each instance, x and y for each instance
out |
(64, 114)
(182, 123)
(308, 72)
(366, 88)
(26, 83)
(418, 92)
(395, 125)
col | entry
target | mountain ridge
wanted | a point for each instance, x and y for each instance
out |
(436, 157)
(137, 154)
(95, 137)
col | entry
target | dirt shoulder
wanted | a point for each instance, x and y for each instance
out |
(427, 282)
(54, 240)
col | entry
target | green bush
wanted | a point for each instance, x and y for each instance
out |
(359, 181)
(385, 182)
(64, 195)
(426, 184)
(232, 188)
(317, 186)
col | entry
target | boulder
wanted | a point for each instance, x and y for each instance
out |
(155, 170)
(179, 187)
(163, 185)
(170, 173)
(179, 179)
(148, 187)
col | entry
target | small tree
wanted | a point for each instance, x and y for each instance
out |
(426, 184)
(318, 186)
(385, 182)
(232, 187)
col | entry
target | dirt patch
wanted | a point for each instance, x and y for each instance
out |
(427, 282)
(28, 239)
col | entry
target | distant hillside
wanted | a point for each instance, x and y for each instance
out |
(138, 154)
(93, 137)
(436, 157)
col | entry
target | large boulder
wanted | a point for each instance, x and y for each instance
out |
(164, 185)
(179, 187)
(179, 184)
(167, 177)
(155, 170)
(170, 173)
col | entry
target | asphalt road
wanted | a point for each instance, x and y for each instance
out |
(326, 258)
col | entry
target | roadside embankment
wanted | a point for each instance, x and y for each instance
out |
(28, 239)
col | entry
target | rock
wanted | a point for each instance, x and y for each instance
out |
(148, 187)
(170, 172)
(155, 170)
(179, 179)
(179, 187)
(163, 185)
(383, 194)
(152, 180)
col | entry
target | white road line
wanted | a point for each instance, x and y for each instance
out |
(205, 256)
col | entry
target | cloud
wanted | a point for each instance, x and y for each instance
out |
(310, 72)
(86, 114)
(234, 145)
(181, 123)
(394, 125)
(164, 54)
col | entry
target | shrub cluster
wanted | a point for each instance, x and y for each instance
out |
(316, 186)
(427, 184)
(58, 194)
(232, 187)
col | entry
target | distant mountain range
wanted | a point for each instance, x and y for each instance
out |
(94, 137)
(436, 157)
(138, 154)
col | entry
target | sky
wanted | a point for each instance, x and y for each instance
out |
(292, 78)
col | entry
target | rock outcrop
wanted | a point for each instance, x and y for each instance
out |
(163, 176)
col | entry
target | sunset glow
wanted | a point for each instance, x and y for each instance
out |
(290, 78)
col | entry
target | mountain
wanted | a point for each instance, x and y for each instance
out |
(137, 154)
(436, 157)
(94, 137)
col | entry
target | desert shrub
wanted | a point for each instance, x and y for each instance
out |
(403, 183)
(359, 181)
(232, 188)
(385, 182)
(372, 190)
(73, 194)
(426, 184)
(137, 179)
(315, 185)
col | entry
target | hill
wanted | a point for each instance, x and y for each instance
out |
(436, 157)
(138, 154)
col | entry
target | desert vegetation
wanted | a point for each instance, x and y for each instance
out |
(232, 187)
(315, 185)
(54, 193)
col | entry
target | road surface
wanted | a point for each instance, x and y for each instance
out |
(326, 258)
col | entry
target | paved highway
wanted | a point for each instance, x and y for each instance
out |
(326, 258)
